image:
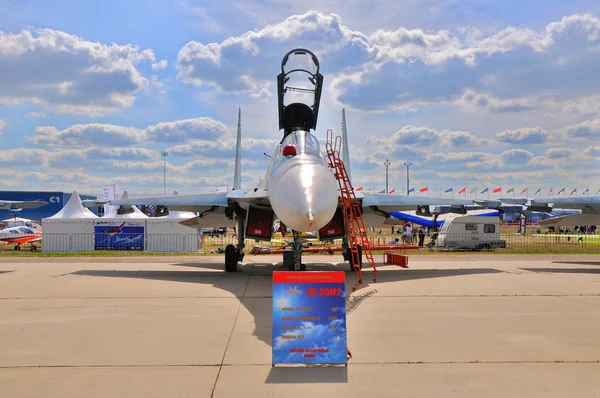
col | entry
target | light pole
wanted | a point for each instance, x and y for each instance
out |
(387, 163)
(164, 155)
(407, 177)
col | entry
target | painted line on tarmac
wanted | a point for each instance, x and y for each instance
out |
(350, 362)
(270, 297)
(212, 393)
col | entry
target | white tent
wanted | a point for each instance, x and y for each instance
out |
(71, 229)
(15, 222)
(74, 209)
(137, 213)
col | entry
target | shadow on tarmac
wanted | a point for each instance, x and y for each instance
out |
(564, 270)
(282, 374)
(260, 305)
(577, 262)
(4, 272)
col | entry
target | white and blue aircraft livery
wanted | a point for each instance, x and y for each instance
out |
(436, 222)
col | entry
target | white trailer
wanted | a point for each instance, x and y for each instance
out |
(470, 233)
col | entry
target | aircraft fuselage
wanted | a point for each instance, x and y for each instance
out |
(301, 188)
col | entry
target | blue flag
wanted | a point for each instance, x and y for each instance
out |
(484, 191)
(448, 190)
(411, 190)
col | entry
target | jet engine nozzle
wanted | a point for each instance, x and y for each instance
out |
(304, 196)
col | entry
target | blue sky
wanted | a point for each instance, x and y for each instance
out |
(472, 92)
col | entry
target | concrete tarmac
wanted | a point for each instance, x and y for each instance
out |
(481, 325)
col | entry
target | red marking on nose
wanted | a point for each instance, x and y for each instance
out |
(289, 150)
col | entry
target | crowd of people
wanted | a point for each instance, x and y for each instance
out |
(409, 234)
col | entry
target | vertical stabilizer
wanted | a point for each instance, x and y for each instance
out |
(237, 174)
(346, 153)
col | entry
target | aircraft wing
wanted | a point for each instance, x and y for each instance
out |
(21, 204)
(590, 203)
(387, 203)
(571, 220)
(197, 203)
(213, 207)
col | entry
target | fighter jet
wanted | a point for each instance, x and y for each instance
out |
(299, 188)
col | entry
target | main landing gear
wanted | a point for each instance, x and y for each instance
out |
(233, 254)
(346, 253)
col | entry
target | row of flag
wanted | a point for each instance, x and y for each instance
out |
(496, 190)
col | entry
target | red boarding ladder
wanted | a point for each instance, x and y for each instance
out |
(357, 234)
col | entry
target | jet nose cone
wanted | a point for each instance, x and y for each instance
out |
(305, 197)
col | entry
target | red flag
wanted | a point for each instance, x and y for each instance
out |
(562, 190)
(426, 189)
(497, 190)
(462, 190)
(392, 191)
(523, 191)
(358, 189)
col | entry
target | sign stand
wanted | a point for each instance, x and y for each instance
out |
(309, 318)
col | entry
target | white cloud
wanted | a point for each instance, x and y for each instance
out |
(261, 95)
(453, 139)
(251, 148)
(407, 135)
(160, 65)
(516, 156)
(418, 135)
(593, 151)
(23, 157)
(559, 153)
(513, 70)
(586, 130)
(88, 134)
(156, 84)
(61, 70)
(2, 125)
(203, 128)
(524, 136)
(471, 100)
(106, 135)
(238, 64)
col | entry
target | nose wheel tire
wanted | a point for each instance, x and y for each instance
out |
(231, 258)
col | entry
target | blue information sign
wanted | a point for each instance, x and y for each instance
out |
(309, 317)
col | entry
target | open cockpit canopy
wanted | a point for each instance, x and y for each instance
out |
(299, 88)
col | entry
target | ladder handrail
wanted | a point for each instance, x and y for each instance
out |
(355, 227)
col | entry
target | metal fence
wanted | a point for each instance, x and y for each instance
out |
(198, 243)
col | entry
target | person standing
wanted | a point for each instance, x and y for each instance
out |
(421, 236)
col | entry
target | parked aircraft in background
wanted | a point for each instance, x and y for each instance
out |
(589, 207)
(21, 204)
(437, 219)
(561, 211)
(19, 235)
(299, 188)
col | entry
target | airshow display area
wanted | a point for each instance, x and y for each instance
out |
(76, 228)
(179, 326)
